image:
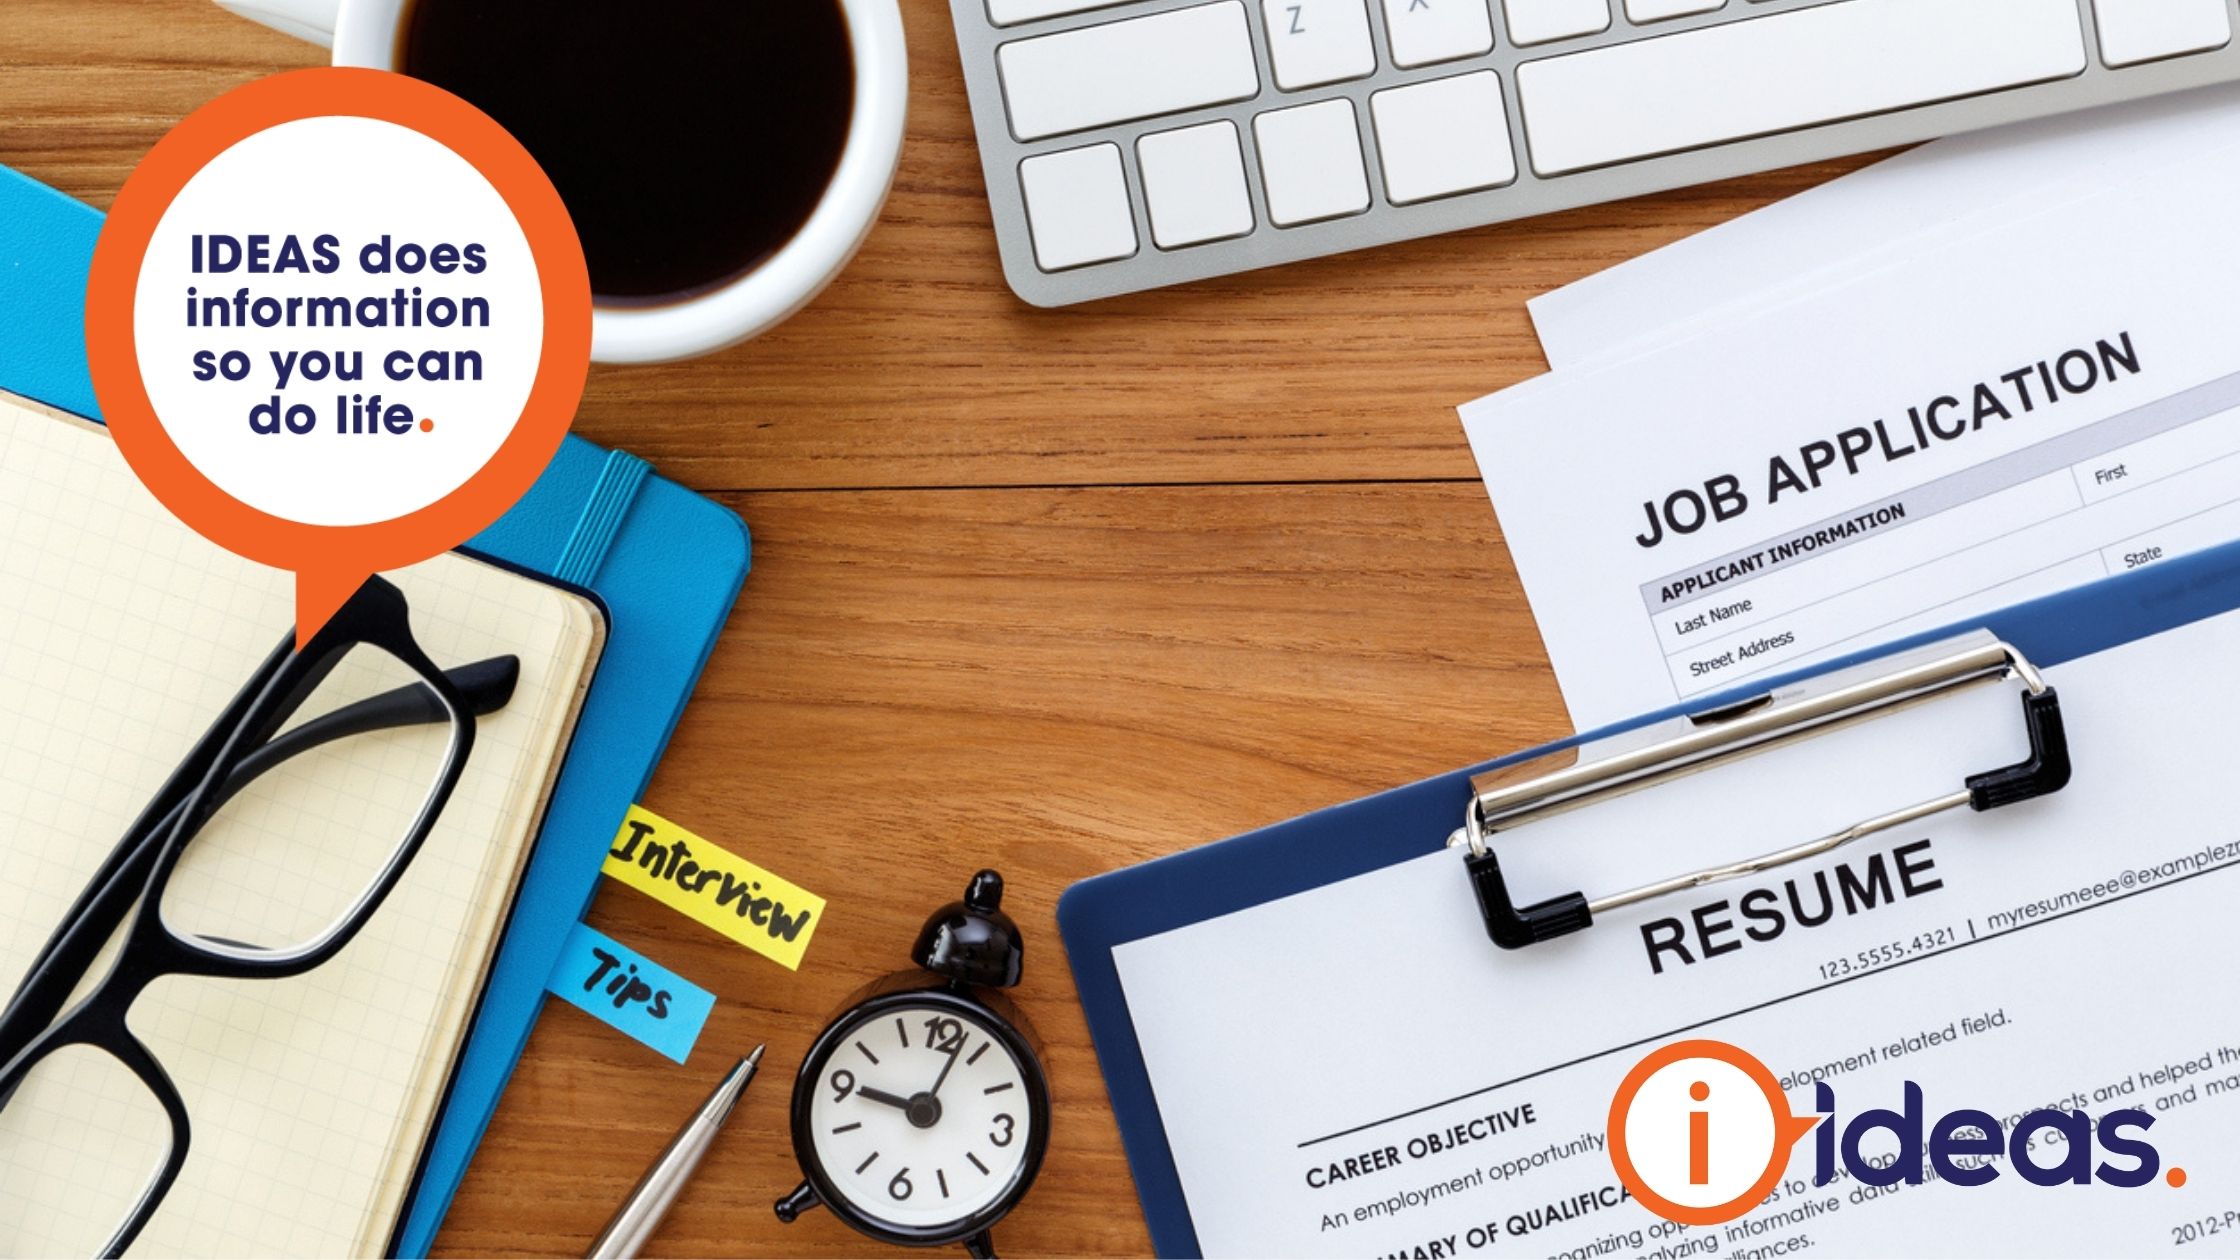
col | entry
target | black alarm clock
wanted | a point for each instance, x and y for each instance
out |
(921, 1114)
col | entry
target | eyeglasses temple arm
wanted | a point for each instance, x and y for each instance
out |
(486, 686)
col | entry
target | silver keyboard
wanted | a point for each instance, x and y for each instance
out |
(1130, 144)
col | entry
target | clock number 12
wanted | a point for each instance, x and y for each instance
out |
(944, 1034)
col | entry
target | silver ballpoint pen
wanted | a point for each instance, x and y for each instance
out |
(649, 1201)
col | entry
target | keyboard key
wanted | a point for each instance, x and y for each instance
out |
(1444, 137)
(1540, 21)
(2132, 31)
(1639, 11)
(1310, 162)
(1077, 207)
(1313, 42)
(1013, 12)
(1099, 75)
(1193, 184)
(1427, 31)
(1676, 92)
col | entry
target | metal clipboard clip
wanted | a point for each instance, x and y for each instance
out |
(1505, 799)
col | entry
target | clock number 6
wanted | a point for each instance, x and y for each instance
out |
(843, 1084)
(900, 1187)
(1003, 1137)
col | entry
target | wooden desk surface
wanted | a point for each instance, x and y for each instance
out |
(1049, 591)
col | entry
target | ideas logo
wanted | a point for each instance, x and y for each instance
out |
(1701, 1132)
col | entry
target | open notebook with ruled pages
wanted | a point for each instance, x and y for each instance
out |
(122, 635)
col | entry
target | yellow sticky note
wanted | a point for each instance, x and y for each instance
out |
(699, 878)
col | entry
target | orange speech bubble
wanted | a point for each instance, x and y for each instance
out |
(332, 560)
(1788, 1129)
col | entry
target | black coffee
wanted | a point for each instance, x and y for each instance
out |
(689, 138)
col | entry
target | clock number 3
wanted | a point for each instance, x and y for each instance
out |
(1005, 1124)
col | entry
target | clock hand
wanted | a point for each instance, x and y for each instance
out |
(882, 1096)
(924, 1110)
(956, 1050)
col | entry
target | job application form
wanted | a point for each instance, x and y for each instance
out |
(2000, 415)
(1874, 217)
(1355, 1070)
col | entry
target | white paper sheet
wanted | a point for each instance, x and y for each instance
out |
(1852, 225)
(1919, 512)
(1372, 1016)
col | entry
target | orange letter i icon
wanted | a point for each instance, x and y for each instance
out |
(1699, 1138)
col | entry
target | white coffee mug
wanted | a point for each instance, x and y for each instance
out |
(367, 33)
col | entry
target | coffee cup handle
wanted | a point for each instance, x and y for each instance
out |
(304, 19)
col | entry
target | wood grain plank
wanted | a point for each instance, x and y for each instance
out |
(918, 367)
(1057, 678)
(1053, 682)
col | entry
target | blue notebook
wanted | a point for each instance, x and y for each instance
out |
(1101, 914)
(666, 562)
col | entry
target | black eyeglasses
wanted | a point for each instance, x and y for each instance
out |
(251, 862)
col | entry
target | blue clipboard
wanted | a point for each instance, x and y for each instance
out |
(1100, 914)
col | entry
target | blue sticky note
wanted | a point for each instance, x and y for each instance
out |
(625, 988)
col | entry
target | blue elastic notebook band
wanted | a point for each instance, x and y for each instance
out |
(603, 514)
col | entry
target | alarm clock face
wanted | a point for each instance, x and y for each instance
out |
(926, 1115)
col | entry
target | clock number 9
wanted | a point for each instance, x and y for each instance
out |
(1003, 1136)
(843, 1084)
(900, 1187)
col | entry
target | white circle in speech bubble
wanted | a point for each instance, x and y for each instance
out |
(354, 180)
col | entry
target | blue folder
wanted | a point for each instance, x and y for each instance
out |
(666, 563)
(1339, 843)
